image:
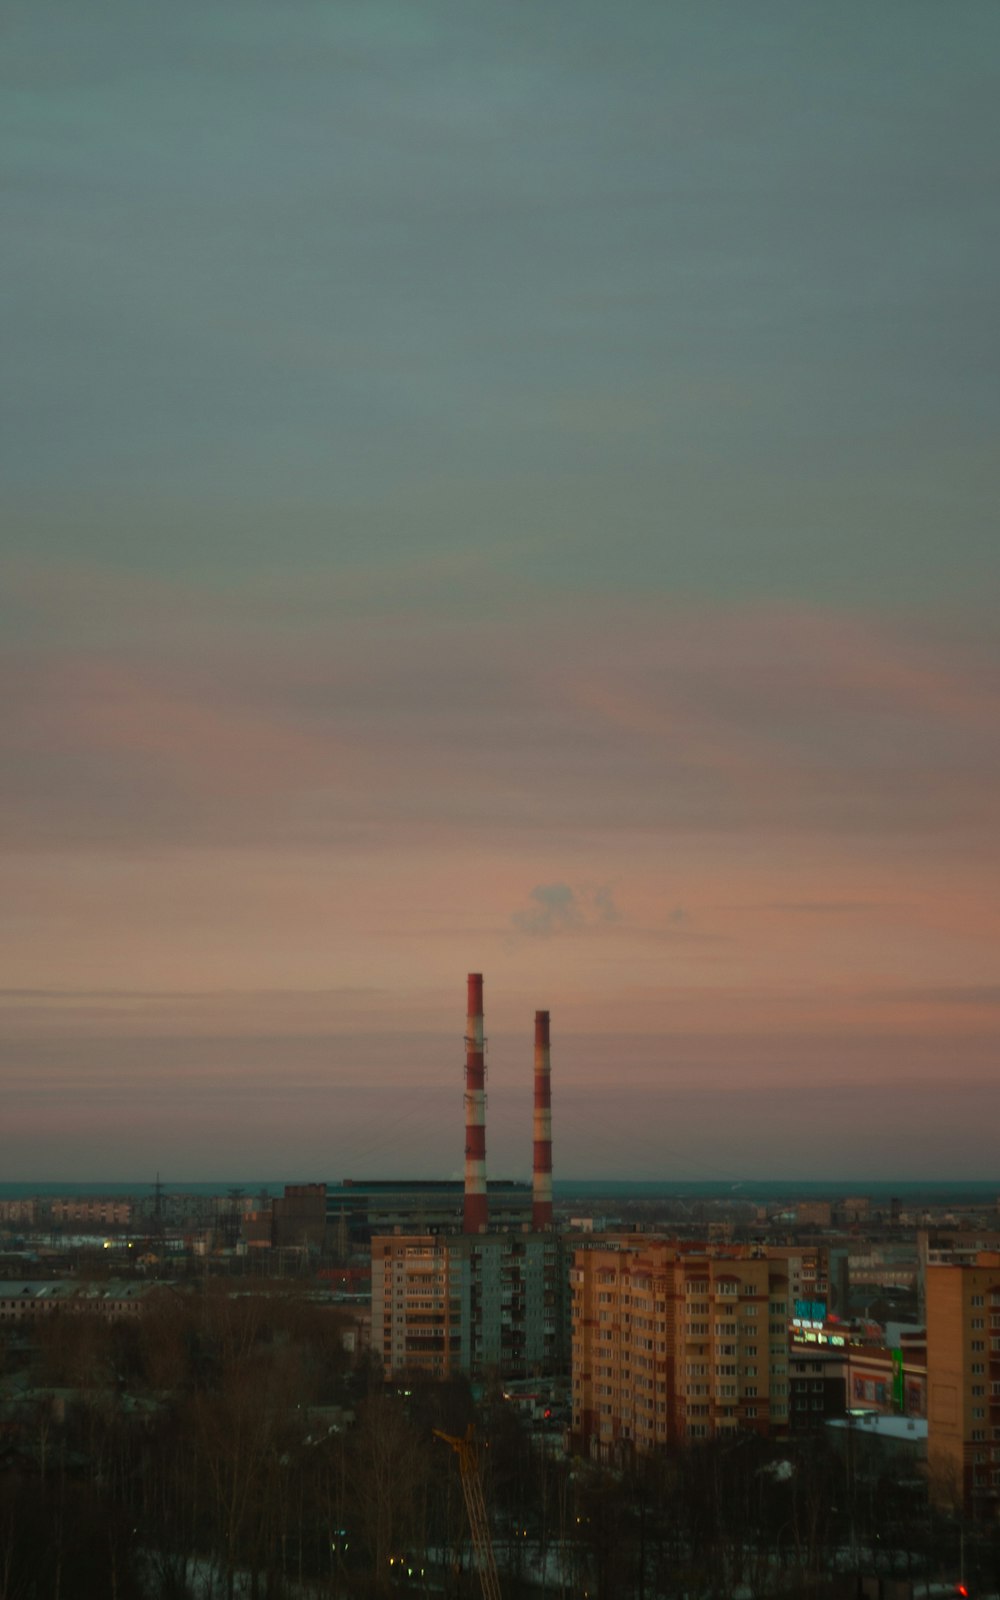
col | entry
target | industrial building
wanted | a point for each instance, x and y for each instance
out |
(359, 1208)
(487, 1297)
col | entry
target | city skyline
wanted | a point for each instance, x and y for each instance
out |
(490, 492)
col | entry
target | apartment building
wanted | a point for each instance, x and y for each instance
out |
(99, 1211)
(469, 1303)
(817, 1387)
(963, 1382)
(808, 1270)
(943, 1245)
(674, 1341)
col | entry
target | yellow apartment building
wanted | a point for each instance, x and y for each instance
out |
(963, 1383)
(672, 1341)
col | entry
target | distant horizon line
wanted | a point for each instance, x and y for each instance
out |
(726, 1183)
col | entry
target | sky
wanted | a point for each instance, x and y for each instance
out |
(499, 487)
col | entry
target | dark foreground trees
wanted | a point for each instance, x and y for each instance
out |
(221, 1445)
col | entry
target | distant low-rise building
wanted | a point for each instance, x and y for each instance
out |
(873, 1440)
(92, 1211)
(21, 1302)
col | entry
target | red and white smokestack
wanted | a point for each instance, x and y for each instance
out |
(541, 1182)
(475, 1216)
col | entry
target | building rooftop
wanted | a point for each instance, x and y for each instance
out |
(886, 1427)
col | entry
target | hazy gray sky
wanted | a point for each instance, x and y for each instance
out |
(507, 487)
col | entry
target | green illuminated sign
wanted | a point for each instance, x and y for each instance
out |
(897, 1379)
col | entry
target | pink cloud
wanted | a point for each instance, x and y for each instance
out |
(303, 818)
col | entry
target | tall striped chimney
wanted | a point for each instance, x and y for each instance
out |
(541, 1179)
(475, 1216)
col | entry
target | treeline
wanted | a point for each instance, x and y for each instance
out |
(222, 1445)
(735, 1516)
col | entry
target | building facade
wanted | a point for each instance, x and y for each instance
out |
(87, 1212)
(28, 1302)
(477, 1304)
(673, 1341)
(963, 1383)
(298, 1217)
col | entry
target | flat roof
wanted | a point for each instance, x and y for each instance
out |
(882, 1424)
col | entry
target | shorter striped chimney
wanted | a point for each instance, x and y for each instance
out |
(475, 1217)
(541, 1181)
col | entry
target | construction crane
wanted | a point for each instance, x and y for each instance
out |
(475, 1505)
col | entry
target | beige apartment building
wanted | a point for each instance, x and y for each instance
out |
(963, 1383)
(673, 1341)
